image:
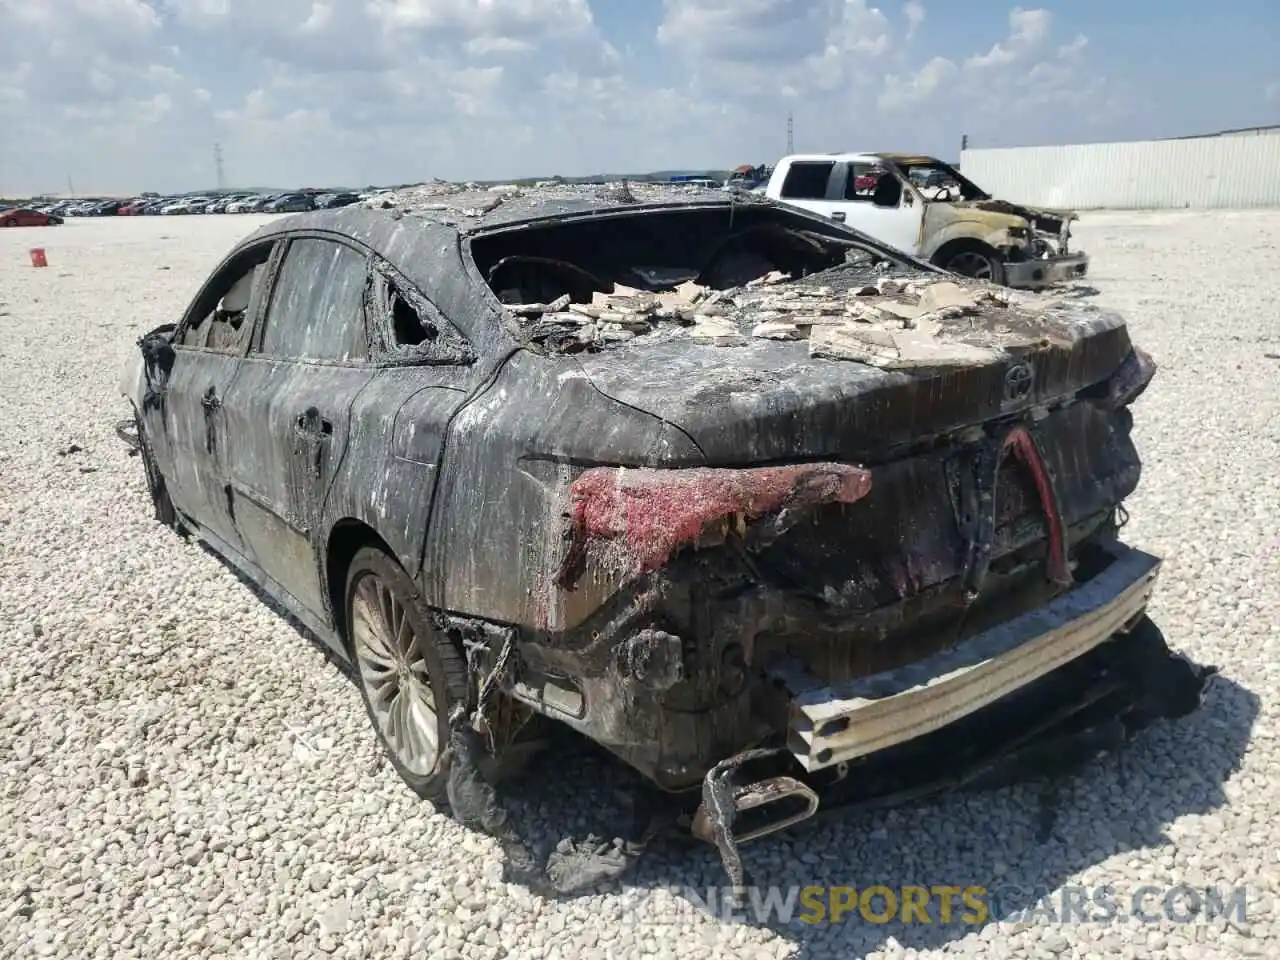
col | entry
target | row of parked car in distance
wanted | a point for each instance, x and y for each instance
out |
(150, 205)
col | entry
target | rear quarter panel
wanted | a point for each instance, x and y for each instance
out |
(497, 533)
(388, 476)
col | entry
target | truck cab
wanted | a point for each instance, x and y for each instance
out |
(925, 207)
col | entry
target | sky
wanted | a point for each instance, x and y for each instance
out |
(117, 96)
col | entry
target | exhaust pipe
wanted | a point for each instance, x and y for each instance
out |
(761, 808)
(732, 813)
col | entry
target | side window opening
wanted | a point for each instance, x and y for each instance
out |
(229, 328)
(861, 180)
(196, 331)
(412, 329)
(807, 180)
(409, 327)
(220, 318)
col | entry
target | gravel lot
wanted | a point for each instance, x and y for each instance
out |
(184, 775)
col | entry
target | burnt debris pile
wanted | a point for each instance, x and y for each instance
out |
(889, 323)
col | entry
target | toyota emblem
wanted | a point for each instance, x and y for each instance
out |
(1017, 382)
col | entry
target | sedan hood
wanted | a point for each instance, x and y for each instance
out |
(855, 376)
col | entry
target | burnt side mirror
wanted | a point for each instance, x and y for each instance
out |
(157, 350)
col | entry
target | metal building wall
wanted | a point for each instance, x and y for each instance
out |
(1228, 171)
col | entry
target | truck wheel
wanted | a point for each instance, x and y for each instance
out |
(975, 260)
(410, 676)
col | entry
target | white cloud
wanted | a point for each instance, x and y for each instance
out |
(907, 91)
(1072, 50)
(482, 46)
(768, 49)
(861, 29)
(914, 14)
(198, 10)
(1028, 29)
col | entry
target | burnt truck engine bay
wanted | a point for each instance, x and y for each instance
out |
(903, 540)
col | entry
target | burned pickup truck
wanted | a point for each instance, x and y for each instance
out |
(929, 209)
(783, 518)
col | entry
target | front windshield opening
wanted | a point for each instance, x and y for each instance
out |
(940, 181)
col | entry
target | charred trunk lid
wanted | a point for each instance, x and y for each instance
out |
(812, 371)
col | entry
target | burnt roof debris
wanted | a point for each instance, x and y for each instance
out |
(892, 322)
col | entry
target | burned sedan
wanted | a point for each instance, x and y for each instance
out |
(785, 519)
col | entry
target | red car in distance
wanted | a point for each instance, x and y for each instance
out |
(23, 217)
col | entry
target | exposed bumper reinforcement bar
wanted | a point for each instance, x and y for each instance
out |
(1045, 729)
(1030, 274)
(834, 724)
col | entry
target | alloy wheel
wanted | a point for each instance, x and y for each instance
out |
(393, 671)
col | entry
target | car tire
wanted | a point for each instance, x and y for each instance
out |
(976, 260)
(410, 675)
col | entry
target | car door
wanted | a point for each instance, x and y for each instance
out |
(290, 407)
(207, 349)
(890, 211)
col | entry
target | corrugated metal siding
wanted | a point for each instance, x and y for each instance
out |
(1232, 172)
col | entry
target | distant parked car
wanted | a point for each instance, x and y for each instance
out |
(186, 205)
(258, 203)
(107, 208)
(244, 204)
(291, 203)
(223, 204)
(331, 201)
(26, 217)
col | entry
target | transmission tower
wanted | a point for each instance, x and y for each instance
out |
(217, 165)
(791, 138)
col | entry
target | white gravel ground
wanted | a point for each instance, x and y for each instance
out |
(184, 775)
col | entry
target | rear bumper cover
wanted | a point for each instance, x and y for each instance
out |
(833, 725)
(1039, 273)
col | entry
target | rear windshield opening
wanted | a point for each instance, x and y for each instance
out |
(718, 248)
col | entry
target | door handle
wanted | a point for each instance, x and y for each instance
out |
(311, 422)
(838, 215)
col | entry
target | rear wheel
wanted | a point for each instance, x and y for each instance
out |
(410, 675)
(975, 260)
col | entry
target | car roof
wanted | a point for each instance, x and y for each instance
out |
(904, 158)
(471, 212)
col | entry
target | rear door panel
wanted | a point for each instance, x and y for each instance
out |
(292, 424)
(290, 410)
